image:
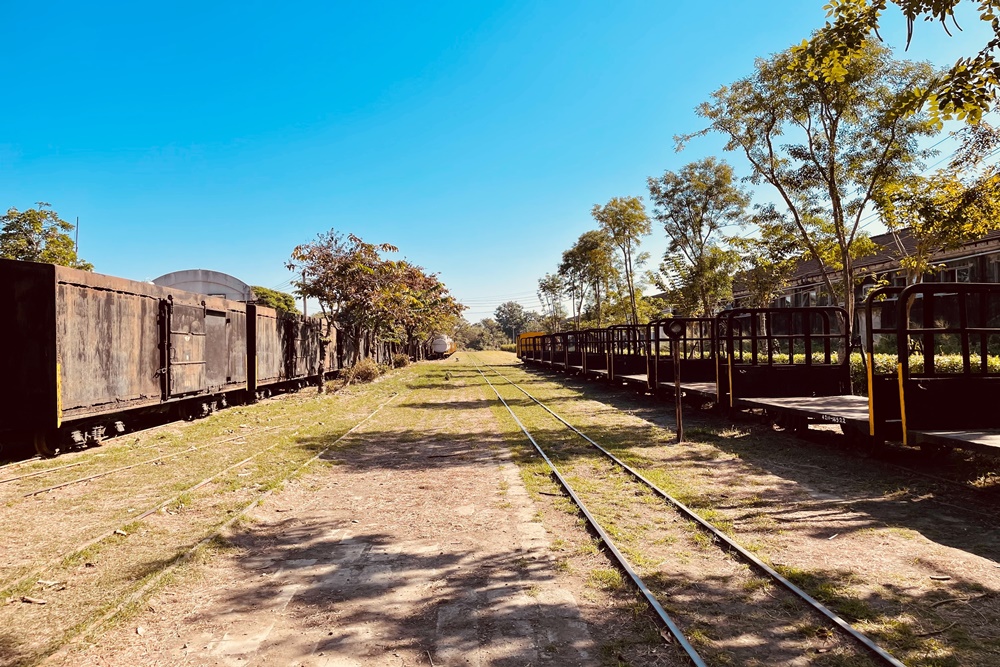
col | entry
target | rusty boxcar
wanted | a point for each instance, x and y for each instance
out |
(80, 351)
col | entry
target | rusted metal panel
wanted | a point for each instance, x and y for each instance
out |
(187, 350)
(216, 350)
(108, 347)
(28, 372)
(270, 352)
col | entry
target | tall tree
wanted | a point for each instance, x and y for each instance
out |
(625, 222)
(826, 147)
(39, 235)
(695, 205)
(966, 91)
(511, 317)
(550, 291)
(347, 278)
(588, 267)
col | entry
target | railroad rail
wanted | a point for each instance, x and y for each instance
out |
(143, 587)
(875, 651)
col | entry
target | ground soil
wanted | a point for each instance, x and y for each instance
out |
(428, 537)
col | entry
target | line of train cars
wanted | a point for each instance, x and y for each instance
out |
(927, 363)
(81, 353)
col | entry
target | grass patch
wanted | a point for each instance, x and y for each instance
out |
(606, 579)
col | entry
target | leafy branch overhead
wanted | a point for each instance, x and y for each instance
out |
(965, 91)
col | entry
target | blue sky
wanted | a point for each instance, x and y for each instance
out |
(476, 136)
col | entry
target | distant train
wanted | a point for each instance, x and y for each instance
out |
(442, 346)
(930, 363)
(82, 353)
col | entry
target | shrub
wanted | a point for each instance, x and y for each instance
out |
(365, 370)
(509, 347)
(400, 360)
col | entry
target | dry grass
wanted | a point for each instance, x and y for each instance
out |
(761, 487)
(48, 531)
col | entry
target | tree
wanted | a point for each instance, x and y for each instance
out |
(694, 205)
(275, 299)
(550, 291)
(587, 268)
(511, 317)
(417, 304)
(965, 91)
(484, 335)
(767, 263)
(347, 278)
(625, 222)
(39, 235)
(826, 147)
(946, 209)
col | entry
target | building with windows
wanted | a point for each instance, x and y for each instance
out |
(975, 261)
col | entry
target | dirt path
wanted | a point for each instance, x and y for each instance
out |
(419, 545)
(418, 541)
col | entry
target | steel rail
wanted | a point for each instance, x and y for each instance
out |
(46, 471)
(13, 585)
(863, 639)
(140, 463)
(608, 542)
(155, 579)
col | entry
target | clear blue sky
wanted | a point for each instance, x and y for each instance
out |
(476, 136)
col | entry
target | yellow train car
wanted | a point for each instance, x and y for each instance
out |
(521, 338)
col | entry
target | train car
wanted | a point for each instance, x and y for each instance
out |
(286, 350)
(793, 364)
(81, 352)
(442, 346)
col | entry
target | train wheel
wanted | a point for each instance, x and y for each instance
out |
(45, 444)
(934, 451)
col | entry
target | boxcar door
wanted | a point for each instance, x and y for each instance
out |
(216, 349)
(186, 371)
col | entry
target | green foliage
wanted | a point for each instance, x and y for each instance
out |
(508, 347)
(826, 146)
(511, 316)
(767, 262)
(370, 297)
(946, 209)
(484, 335)
(39, 235)
(694, 205)
(966, 91)
(550, 291)
(275, 299)
(586, 269)
(625, 222)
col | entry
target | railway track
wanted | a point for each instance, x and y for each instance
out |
(59, 560)
(574, 457)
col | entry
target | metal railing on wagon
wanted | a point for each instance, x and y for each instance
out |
(948, 364)
(696, 345)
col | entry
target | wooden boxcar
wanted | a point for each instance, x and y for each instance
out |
(79, 351)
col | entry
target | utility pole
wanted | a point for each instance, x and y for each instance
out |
(304, 312)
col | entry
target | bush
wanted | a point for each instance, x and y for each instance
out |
(509, 347)
(400, 360)
(365, 370)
